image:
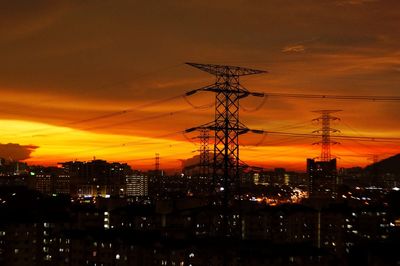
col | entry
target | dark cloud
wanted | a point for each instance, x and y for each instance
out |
(354, 2)
(193, 161)
(21, 18)
(16, 152)
(98, 44)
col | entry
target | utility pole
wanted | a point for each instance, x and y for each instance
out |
(326, 131)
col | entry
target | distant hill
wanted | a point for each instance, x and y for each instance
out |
(388, 165)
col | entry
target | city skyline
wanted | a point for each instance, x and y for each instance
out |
(195, 132)
(78, 84)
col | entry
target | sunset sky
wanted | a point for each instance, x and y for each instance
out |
(64, 63)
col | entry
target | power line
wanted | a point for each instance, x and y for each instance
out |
(336, 97)
(147, 118)
(138, 142)
(360, 138)
(201, 107)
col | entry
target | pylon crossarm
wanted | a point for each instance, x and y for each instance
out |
(258, 94)
(223, 70)
(205, 88)
(240, 92)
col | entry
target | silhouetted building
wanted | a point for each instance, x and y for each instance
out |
(279, 176)
(103, 178)
(322, 178)
(62, 184)
(44, 183)
(137, 185)
(12, 168)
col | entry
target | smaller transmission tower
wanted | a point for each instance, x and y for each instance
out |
(374, 158)
(325, 131)
(157, 164)
(204, 152)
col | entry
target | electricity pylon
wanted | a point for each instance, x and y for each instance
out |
(226, 125)
(157, 164)
(204, 152)
(326, 130)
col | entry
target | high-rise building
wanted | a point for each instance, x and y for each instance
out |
(322, 178)
(137, 185)
(62, 184)
(104, 178)
(279, 176)
(44, 183)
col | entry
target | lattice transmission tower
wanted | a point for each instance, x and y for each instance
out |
(325, 131)
(157, 164)
(226, 125)
(204, 152)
